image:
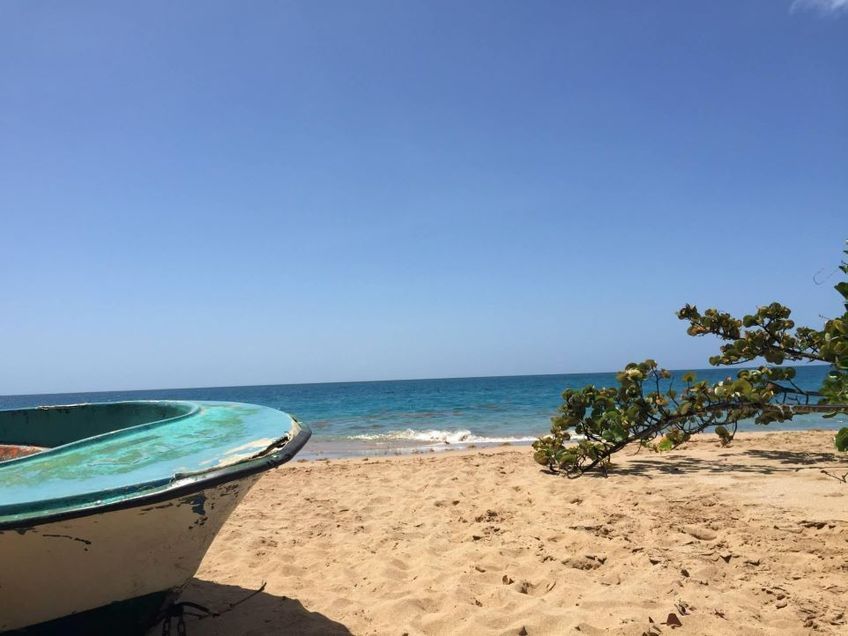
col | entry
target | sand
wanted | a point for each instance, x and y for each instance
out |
(750, 539)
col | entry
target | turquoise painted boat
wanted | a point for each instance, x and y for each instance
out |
(106, 510)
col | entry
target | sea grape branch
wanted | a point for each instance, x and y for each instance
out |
(593, 423)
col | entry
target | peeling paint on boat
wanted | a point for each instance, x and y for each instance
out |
(197, 503)
(246, 451)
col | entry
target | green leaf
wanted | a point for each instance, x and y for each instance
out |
(665, 444)
(618, 432)
(842, 439)
(541, 457)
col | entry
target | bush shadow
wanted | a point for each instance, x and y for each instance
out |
(762, 462)
(796, 457)
(252, 613)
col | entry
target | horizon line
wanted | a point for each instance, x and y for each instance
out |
(469, 377)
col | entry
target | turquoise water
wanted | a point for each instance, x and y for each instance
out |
(351, 418)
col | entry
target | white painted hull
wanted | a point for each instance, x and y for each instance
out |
(53, 570)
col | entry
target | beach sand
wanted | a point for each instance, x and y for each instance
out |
(750, 539)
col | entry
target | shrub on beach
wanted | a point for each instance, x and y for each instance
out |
(644, 409)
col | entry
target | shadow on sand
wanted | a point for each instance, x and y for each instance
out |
(261, 613)
(763, 462)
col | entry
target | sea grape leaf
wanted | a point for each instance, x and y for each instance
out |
(842, 439)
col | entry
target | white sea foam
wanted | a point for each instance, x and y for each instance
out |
(437, 437)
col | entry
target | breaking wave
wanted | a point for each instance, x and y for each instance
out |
(438, 437)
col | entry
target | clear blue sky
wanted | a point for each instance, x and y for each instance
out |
(218, 193)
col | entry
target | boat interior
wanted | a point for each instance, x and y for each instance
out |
(28, 431)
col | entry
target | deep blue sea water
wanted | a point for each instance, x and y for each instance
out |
(351, 418)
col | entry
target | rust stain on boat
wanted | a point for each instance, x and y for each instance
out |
(13, 451)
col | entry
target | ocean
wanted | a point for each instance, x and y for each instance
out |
(402, 416)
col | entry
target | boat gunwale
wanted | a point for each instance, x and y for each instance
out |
(180, 486)
(176, 486)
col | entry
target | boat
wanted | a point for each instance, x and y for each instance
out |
(107, 509)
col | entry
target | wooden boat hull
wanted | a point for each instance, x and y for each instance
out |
(112, 572)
